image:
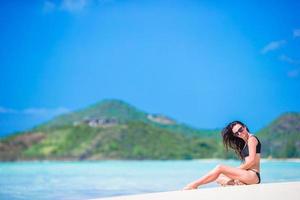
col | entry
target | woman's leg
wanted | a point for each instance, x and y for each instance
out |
(231, 172)
(224, 180)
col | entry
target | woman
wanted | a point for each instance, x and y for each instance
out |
(247, 146)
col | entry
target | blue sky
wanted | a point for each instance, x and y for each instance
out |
(204, 63)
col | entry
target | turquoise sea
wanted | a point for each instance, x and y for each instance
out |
(85, 180)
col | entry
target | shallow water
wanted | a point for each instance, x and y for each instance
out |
(84, 180)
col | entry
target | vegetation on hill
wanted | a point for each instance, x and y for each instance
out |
(281, 139)
(113, 129)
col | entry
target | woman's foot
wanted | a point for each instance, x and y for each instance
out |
(191, 186)
(237, 182)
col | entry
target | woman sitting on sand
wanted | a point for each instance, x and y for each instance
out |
(247, 146)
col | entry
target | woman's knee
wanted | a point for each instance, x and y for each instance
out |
(219, 168)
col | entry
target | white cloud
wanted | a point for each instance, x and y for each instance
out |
(44, 111)
(35, 111)
(273, 46)
(73, 5)
(49, 6)
(292, 73)
(287, 59)
(7, 110)
(296, 33)
(64, 5)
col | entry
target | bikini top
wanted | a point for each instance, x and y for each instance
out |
(245, 150)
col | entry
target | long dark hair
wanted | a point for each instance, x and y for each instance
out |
(233, 142)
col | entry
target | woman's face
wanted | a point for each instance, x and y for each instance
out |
(239, 131)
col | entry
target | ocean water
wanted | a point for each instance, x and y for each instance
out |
(85, 180)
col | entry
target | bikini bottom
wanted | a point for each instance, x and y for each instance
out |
(258, 175)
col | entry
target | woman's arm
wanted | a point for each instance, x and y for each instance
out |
(252, 142)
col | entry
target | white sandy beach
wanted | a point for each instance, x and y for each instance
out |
(274, 191)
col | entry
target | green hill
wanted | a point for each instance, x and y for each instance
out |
(281, 139)
(106, 109)
(113, 129)
(122, 113)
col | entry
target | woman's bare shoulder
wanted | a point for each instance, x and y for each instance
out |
(252, 139)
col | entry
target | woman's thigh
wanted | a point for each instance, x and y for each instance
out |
(245, 176)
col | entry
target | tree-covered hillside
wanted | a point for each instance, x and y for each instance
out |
(281, 139)
(113, 129)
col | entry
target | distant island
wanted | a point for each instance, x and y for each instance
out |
(114, 129)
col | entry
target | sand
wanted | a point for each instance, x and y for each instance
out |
(266, 191)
